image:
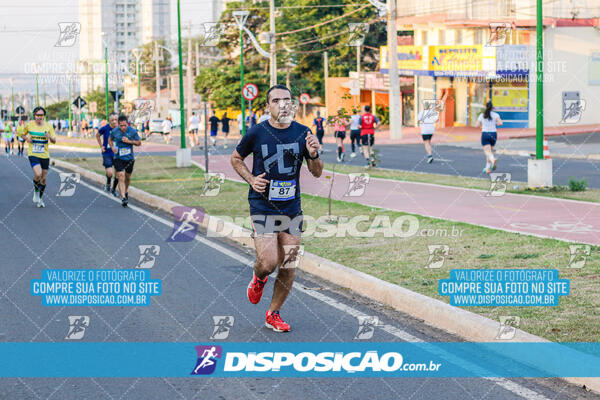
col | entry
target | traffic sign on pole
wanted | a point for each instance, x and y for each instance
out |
(304, 98)
(250, 91)
(79, 102)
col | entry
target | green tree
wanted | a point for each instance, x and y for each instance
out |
(100, 98)
(58, 110)
(299, 54)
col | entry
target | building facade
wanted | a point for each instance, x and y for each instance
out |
(471, 52)
(121, 26)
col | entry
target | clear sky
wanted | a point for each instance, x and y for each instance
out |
(29, 31)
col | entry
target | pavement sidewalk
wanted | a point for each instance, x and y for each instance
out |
(567, 220)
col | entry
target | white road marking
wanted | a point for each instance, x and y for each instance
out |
(397, 332)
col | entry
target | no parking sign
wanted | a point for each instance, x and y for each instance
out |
(250, 91)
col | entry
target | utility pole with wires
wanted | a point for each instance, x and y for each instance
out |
(326, 76)
(273, 48)
(394, 93)
(197, 58)
(157, 66)
(183, 154)
(189, 74)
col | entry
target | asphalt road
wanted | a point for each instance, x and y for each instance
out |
(200, 279)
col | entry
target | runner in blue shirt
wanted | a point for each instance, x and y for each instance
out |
(121, 140)
(319, 124)
(278, 146)
(107, 154)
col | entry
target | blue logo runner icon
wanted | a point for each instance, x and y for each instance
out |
(207, 359)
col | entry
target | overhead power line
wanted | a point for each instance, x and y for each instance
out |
(324, 22)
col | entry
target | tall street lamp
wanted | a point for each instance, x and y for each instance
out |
(240, 19)
(105, 72)
(184, 156)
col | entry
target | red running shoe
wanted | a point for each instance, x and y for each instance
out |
(255, 289)
(273, 320)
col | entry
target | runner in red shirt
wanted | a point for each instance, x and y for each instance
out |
(368, 123)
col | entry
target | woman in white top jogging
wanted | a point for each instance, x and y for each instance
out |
(428, 117)
(488, 121)
(167, 127)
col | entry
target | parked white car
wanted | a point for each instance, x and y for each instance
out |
(156, 125)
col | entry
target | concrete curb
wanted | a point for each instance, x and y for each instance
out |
(468, 325)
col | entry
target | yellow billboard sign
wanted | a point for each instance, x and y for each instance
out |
(456, 60)
(409, 57)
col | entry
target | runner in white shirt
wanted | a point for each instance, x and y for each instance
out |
(239, 121)
(95, 125)
(355, 131)
(488, 121)
(193, 131)
(427, 118)
(167, 126)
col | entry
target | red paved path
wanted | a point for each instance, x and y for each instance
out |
(541, 216)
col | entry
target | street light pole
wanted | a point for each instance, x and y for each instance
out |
(183, 155)
(394, 93)
(69, 108)
(240, 18)
(138, 79)
(37, 89)
(157, 59)
(242, 82)
(539, 125)
(12, 98)
(181, 97)
(273, 49)
(106, 78)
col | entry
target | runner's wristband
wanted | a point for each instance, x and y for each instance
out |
(311, 158)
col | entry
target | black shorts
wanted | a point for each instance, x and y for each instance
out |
(340, 134)
(355, 135)
(368, 139)
(320, 135)
(270, 224)
(427, 136)
(121, 165)
(193, 131)
(107, 160)
(42, 162)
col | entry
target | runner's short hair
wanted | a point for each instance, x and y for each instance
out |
(282, 87)
(123, 118)
(368, 108)
(39, 108)
(113, 113)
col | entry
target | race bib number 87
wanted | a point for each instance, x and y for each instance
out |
(282, 190)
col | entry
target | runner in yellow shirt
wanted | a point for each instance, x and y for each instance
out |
(38, 133)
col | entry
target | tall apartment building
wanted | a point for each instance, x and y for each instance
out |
(121, 25)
